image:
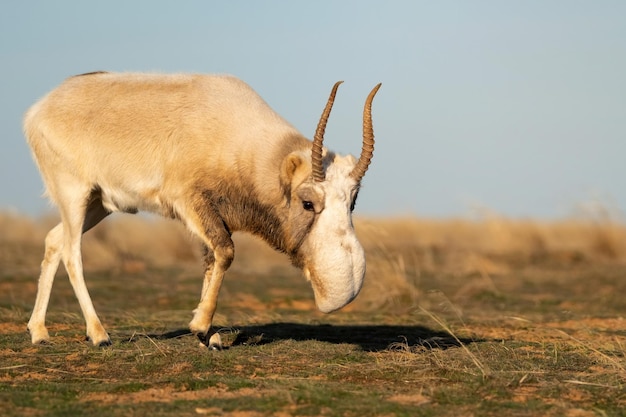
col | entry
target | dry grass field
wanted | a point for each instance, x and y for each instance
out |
(479, 317)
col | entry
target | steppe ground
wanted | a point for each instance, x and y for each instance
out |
(458, 317)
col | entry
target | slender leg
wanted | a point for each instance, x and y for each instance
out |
(74, 220)
(206, 222)
(55, 249)
(218, 260)
(49, 266)
(209, 262)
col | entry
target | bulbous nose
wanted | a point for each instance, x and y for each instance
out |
(338, 281)
(327, 305)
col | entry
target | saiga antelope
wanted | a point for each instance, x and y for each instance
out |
(206, 150)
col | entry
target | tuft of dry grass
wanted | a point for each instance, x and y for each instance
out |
(401, 252)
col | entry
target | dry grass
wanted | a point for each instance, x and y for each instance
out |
(400, 251)
(490, 316)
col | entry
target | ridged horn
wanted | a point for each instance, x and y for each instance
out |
(367, 150)
(316, 154)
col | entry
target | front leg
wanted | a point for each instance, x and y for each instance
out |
(217, 261)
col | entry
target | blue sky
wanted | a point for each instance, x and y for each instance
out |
(516, 106)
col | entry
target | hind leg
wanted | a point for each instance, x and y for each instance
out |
(49, 265)
(74, 221)
(54, 250)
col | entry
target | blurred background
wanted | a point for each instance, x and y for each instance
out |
(514, 108)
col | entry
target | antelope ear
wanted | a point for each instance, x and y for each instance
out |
(294, 163)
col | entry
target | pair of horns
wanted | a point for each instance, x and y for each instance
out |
(368, 138)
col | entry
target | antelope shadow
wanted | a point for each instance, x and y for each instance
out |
(370, 337)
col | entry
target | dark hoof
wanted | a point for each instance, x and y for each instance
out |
(211, 340)
(104, 343)
(203, 338)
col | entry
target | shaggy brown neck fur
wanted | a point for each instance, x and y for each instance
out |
(242, 211)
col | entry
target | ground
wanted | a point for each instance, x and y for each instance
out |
(449, 323)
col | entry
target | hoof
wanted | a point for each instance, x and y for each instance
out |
(105, 343)
(215, 342)
(212, 341)
(100, 343)
(214, 348)
(39, 336)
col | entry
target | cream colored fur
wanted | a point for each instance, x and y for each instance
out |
(204, 149)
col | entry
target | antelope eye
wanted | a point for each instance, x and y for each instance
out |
(307, 205)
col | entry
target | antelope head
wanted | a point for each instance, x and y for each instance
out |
(323, 188)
